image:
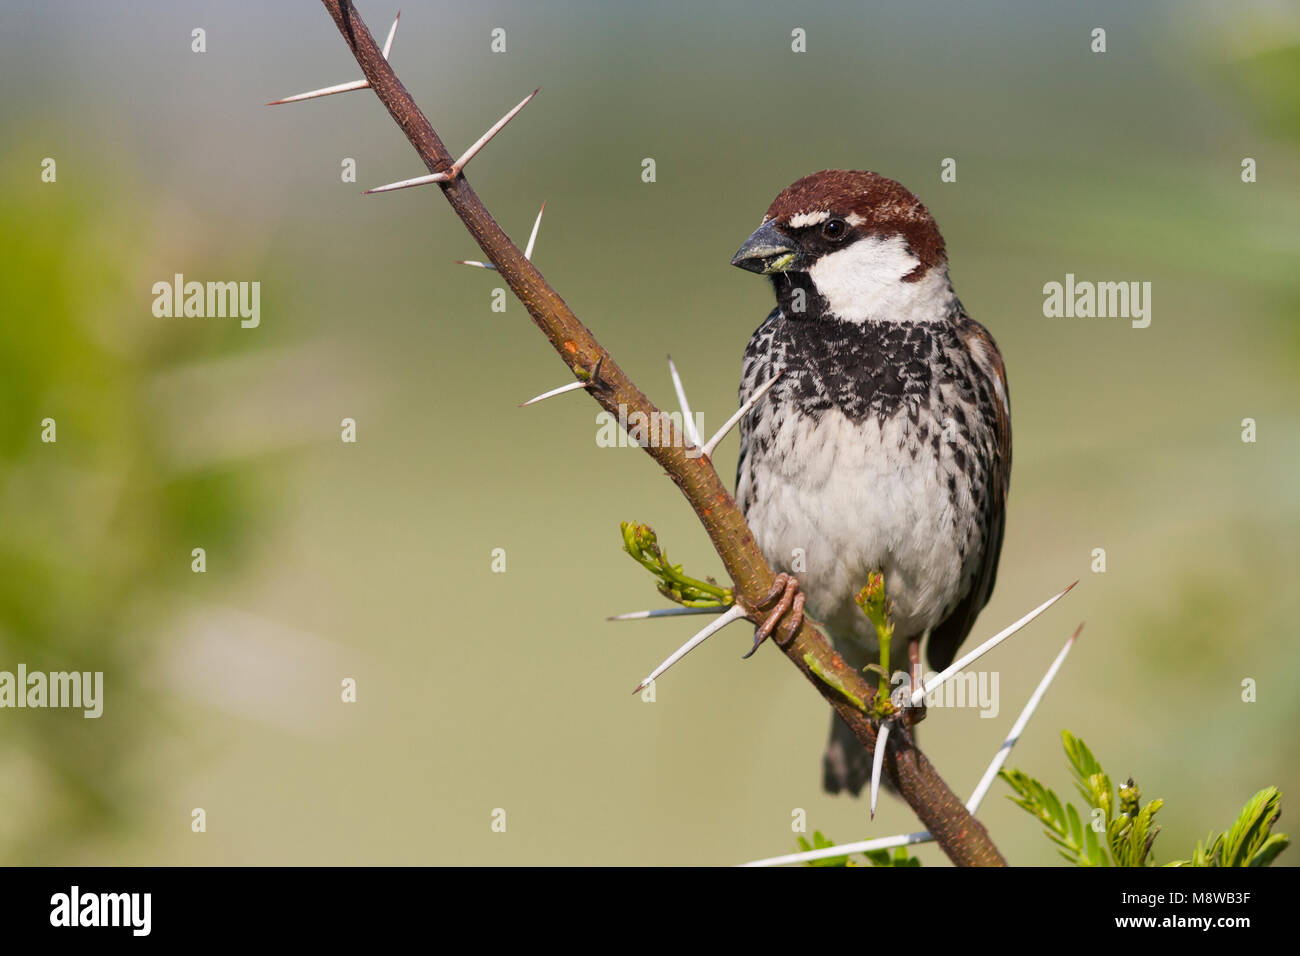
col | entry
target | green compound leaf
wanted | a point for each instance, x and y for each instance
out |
(1130, 831)
(642, 544)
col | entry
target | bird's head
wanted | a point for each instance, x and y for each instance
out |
(854, 245)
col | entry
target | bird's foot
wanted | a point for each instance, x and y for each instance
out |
(788, 605)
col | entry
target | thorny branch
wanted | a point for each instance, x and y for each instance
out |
(960, 835)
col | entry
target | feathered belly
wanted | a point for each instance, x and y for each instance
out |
(831, 500)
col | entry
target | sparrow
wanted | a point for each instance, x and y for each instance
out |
(885, 443)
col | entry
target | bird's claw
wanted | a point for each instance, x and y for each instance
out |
(789, 601)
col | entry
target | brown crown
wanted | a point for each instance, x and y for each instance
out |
(886, 206)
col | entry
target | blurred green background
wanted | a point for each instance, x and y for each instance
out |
(479, 690)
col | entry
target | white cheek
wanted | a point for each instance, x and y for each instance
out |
(864, 280)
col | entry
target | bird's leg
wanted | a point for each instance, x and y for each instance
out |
(916, 714)
(791, 599)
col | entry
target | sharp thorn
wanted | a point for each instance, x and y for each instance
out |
(487, 137)
(342, 87)
(528, 252)
(571, 387)
(918, 695)
(734, 613)
(324, 91)
(464, 159)
(665, 612)
(845, 849)
(712, 443)
(924, 836)
(460, 164)
(688, 419)
(408, 183)
(1018, 728)
(392, 32)
(532, 238)
(877, 762)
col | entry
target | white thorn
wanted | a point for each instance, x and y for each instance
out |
(918, 695)
(923, 836)
(392, 32)
(528, 252)
(665, 612)
(342, 87)
(408, 183)
(460, 164)
(532, 238)
(324, 91)
(487, 137)
(688, 418)
(741, 412)
(735, 613)
(1018, 728)
(844, 849)
(571, 387)
(878, 761)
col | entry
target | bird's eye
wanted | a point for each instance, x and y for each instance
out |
(834, 229)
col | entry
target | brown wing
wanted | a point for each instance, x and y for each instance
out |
(948, 635)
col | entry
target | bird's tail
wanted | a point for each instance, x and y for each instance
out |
(847, 764)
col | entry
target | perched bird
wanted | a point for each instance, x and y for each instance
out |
(885, 445)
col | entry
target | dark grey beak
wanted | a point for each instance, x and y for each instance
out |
(768, 250)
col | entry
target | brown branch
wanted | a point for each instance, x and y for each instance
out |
(961, 837)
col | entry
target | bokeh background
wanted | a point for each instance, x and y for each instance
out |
(480, 690)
